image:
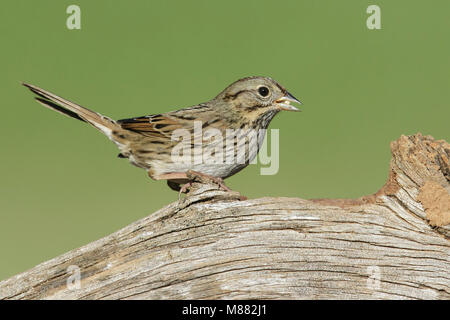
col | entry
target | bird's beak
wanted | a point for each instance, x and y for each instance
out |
(284, 102)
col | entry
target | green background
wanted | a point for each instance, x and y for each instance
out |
(61, 183)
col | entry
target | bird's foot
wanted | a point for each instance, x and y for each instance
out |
(207, 179)
(185, 182)
(184, 189)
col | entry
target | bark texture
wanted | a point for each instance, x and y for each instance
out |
(210, 245)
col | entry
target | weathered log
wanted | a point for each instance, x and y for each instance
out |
(211, 245)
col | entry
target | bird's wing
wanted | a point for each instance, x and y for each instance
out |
(164, 125)
(158, 126)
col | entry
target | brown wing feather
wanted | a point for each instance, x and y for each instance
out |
(162, 126)
(154, 125)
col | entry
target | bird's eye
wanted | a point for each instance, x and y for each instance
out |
(263, 91)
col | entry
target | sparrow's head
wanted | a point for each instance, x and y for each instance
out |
(259, 93)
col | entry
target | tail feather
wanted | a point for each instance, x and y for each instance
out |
(73, 110)
(53, 106)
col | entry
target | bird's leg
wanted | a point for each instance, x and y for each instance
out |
(191, 175)
(184, 188)
(206, 177)
(183, 181)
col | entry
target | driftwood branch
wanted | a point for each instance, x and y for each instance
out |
(393, 244)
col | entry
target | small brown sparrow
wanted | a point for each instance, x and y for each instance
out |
(149, 142)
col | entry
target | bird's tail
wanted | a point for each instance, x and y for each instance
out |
(73, 110)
